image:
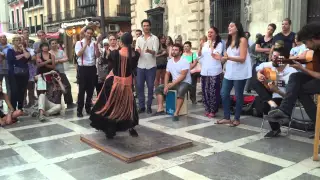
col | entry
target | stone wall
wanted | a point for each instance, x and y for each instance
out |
(188, 18)
(263, 13)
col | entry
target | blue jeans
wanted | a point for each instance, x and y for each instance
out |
(145, 75)
(227, 86)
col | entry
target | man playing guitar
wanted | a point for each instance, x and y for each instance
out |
(271, 90)
(302, 85)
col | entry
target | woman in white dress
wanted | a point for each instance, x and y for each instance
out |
(238, 70)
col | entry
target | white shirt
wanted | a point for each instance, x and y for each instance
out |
(175, 69)
(209, 65)
(282, 76)
(147, 60)
(88, 57)
(237, 70)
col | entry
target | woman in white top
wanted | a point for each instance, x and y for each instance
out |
(211, 69)
(238, 70)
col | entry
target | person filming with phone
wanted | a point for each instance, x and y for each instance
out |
(49, 102)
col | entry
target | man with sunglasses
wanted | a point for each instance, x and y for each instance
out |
(302, 85)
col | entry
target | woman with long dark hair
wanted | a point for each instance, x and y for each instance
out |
(115, 109)
(45, 60)
(211, 70)
(161, 59)
(169, 44)
(238, 70)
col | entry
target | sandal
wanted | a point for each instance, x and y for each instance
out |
(235, 123)
(223, 121)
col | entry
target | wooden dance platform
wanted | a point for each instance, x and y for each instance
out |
(129, 149)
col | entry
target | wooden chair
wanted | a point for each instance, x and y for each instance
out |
(317, 132)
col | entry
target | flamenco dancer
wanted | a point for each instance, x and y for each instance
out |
(115, 108)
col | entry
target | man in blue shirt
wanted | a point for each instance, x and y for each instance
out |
(4, 47)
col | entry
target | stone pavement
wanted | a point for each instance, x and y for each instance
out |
(32, 150)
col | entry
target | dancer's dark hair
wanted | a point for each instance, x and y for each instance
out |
(218, 37)
(240, 34)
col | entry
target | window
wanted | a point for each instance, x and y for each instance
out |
(224, 11)
(18, 18)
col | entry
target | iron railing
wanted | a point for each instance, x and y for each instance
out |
(123, 10)
(225, 11)
(69, 15)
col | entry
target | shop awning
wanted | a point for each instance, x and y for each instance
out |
(53, 35)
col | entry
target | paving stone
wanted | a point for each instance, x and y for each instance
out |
(9, 158)
(38, 132)
(196, 147)
(227, 165)
(31, 174)
(162, 175)
(282, 147)
(84, 123)
(184, 121)
(60, 147)
(223, 133)
(306, 177)
(98, 166)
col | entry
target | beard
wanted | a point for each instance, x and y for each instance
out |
(275, 64)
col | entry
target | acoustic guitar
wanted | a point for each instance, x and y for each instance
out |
(309, 58)
(271, 76)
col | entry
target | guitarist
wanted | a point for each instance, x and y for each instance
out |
(271, 92)
(302, 85)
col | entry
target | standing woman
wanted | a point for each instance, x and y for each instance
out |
(169, 44)
(102, 65)
(45, 60)
(161, 59)
(115, 109)
(192, 58)
(211, 70)
(18, 58)
(238, 70)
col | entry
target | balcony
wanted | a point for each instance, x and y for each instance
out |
(123, 10)
(33, 5)
(86, 3)
(12, 1)
(69, 15)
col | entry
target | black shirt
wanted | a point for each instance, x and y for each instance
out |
(288, 40)
(263, 57)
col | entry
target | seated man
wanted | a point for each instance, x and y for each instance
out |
(302, 85)
(179, 68)
(11, 117)
(272, 96)
(50, 102)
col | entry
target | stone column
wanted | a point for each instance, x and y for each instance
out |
(133, 15)
(196, 21)
(298, 14)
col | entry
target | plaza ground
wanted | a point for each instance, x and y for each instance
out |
(52, 150)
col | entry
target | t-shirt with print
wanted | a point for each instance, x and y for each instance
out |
(288, 40)
(175, 69)
(54, 94)
(298, 50)
(59, 66)
(282, 77)
(190, 58)
(263, 57)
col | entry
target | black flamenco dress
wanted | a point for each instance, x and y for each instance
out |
(115, 108)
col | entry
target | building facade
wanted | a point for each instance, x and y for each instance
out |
(192, 18)
(4, 17)
(16, 15)
(33, 13)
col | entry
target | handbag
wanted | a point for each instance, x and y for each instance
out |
(20, 71)
(197, 68)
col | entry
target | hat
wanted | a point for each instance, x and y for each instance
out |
(105, 41)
